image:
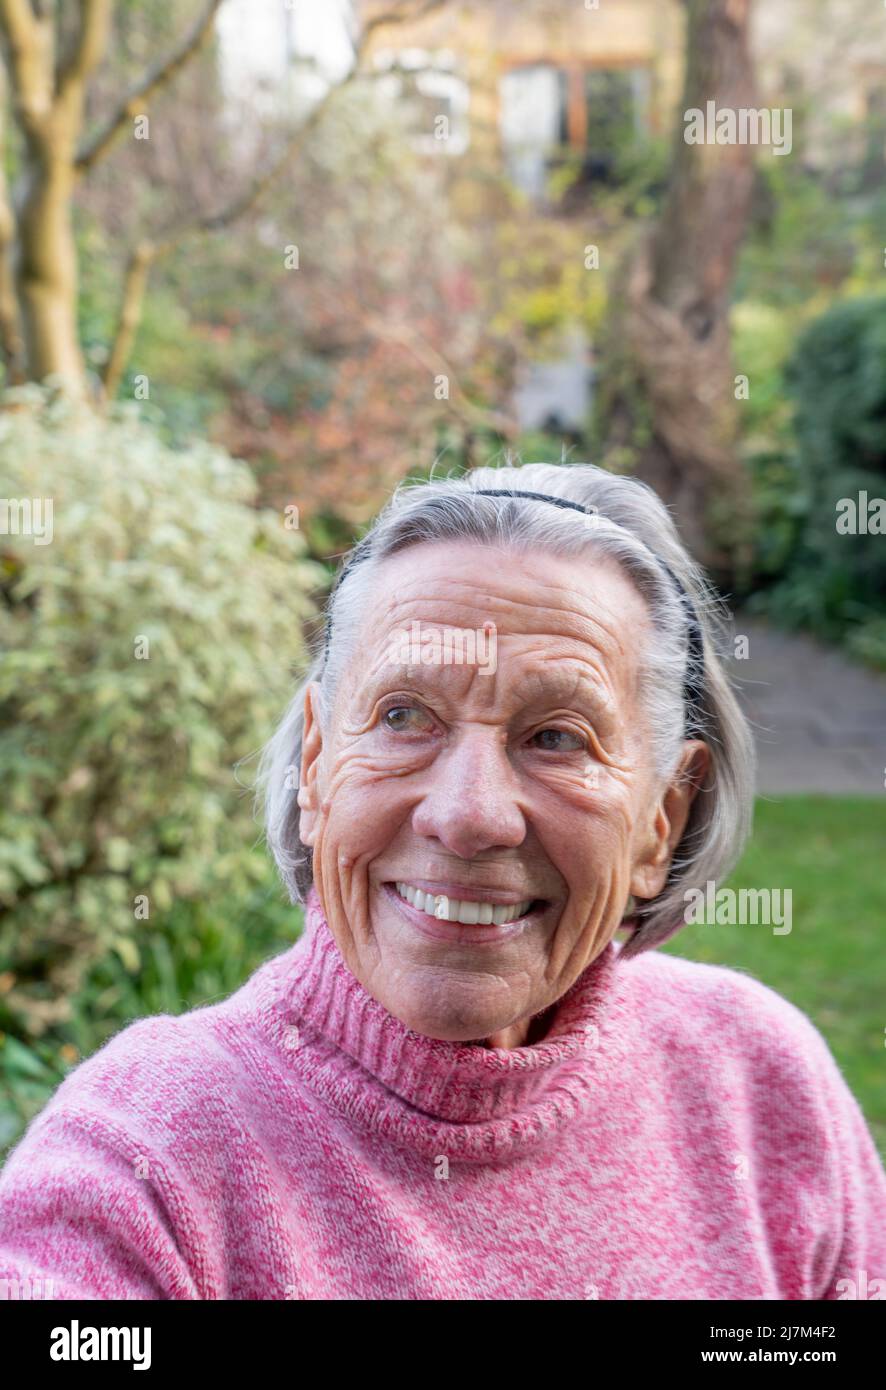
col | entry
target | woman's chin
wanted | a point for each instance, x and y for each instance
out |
(450, 1004)
(450, 987)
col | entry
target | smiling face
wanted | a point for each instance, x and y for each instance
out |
(532, 781)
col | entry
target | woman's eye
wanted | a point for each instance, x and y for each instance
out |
(404, 717)
(578, 743)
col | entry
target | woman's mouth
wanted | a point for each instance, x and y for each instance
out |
(447, 918)
(469, 912)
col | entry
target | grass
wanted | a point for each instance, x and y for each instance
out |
(829, 851)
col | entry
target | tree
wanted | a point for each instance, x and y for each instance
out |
(360, 368)
(667, 405)
(51, 56)
(49, 80)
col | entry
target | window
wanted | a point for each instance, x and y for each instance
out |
(616, 115)
(435, 96)
(548, 112)
(533, 115)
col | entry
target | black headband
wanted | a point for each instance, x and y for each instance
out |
(693, 688)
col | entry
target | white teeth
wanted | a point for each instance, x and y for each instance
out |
(469, 913)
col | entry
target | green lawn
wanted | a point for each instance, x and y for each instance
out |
(830, 852)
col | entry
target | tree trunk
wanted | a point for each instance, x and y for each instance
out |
(48, 95)
(46, 276)
(667, 401)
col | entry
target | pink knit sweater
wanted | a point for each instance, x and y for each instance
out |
(681, 1132)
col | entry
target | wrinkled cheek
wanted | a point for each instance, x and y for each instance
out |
(598, 872)
(608, 861)
(594, 912)
(352, 831)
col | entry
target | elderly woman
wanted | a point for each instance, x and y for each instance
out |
(518, 739)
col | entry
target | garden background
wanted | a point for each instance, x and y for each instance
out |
(260, 261)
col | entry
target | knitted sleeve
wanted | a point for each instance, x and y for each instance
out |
(82, 1215)
(818, 1182)
(860, 1268)
(92, 1200)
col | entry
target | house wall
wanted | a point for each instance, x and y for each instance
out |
(833, 51)
(488, 39)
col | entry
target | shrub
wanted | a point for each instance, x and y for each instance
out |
(196, 953)
(146, 650)
(832, 582)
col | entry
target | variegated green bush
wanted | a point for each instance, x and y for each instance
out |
(145, 650)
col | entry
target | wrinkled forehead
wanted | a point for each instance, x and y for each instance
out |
(538, 608)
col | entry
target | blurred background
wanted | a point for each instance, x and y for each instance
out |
(262, 260)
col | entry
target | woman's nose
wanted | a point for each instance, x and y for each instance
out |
(471, 803)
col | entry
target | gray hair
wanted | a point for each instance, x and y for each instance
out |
(631, 525)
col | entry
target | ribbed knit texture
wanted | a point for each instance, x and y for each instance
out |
(681, 1132)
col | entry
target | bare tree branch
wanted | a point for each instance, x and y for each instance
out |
(408, 337)
(19, 20)
(214, 222)
(90, 45)
(27, 38)
(48, 101)
(149, 251)
(134, 287)
(152, 82)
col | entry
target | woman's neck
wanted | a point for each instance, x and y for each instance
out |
(525, 1033)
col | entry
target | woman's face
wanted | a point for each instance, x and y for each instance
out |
(522, 774)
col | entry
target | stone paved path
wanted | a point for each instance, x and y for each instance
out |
(820, 720)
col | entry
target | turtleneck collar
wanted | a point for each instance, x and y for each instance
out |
(463, 1100)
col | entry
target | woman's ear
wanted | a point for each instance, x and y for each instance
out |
(311, 748)
(650, 871)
